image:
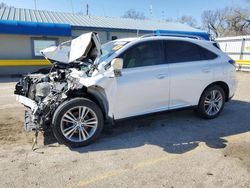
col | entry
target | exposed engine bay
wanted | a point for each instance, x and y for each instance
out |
(42, 93)
(46, 92)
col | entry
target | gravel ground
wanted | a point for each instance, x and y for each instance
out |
(174, 149)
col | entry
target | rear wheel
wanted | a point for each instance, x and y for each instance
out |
(211, 102)
(77, 122)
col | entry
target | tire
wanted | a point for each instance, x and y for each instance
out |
(211, 102)
(77, 122)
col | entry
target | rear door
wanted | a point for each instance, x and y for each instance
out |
(144, 84)
(190, 67)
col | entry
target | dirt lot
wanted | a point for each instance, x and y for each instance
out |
(175, 149)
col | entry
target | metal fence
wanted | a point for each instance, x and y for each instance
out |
(238, 48)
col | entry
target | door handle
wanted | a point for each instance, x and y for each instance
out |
(161, 76)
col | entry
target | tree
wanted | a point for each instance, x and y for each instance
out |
(131, 13)
(189, 20)
(238, 22)
(213, 21)
(2, 5)
(227, 21)
(169, 19)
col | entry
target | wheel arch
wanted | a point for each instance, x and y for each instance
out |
(223, 85)
(94, 93)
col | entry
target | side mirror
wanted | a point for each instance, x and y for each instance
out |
(117, 65)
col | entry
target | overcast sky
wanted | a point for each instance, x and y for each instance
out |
(161, 9)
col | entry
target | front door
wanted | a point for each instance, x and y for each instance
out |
(144, 85)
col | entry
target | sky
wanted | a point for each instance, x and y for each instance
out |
(161, 9)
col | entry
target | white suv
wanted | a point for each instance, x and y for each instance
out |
(89, 85)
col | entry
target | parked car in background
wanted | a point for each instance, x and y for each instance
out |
(90, 84)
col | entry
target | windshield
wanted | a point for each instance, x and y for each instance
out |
(110, 48)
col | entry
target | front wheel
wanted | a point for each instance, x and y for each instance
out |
(211, 102)
(77, 122)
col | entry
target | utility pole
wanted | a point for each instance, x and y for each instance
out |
(87, 9)
(72, 7)
(163, 15)
(35, 4)
(151, 11)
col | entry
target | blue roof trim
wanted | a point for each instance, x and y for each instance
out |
(34, 28)
(203, 35)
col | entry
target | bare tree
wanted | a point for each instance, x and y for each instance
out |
(131, 13)
(189, 20)
(227, 21)
(169, 19)
(213, 21)
(2, 5)
(238, 22)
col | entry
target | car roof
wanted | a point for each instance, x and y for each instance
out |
(131, 39)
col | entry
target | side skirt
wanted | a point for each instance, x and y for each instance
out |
(154, 113)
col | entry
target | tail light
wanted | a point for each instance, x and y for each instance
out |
(232, 62)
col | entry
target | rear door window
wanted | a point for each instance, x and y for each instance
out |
(207, 55)
(182, 51)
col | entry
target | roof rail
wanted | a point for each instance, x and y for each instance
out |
(200, 35)
(172, 35)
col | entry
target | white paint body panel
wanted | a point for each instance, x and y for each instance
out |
(157, 88)
(137, 87)
(188, 81)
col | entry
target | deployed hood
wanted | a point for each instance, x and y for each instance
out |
(86, 46)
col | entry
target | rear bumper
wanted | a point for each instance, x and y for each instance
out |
(230, 98)
(232, 88)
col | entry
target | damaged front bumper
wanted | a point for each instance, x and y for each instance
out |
(29, 118)
(27, 102)
(41, 94)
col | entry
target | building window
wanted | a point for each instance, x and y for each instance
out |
(114, 37)
(39, 44)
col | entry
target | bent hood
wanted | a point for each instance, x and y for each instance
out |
(86, 46)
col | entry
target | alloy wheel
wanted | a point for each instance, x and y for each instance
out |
(79, 124)
(213, 102)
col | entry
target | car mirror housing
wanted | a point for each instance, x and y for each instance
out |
(117, 65)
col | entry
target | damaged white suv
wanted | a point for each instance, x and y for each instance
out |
(90, 84)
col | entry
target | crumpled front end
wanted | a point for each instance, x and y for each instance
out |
(41, 94)
(86, 46)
